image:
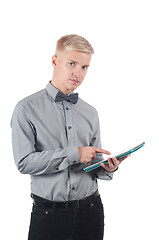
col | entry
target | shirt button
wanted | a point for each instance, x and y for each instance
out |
(73, 188)
(67, 108)
(69, 127)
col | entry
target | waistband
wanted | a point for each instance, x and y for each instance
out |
(44, 203)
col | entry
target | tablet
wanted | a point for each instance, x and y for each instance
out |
(118, 156)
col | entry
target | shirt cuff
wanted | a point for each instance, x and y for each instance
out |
(113, 171)
(103, 174)
(73, 155)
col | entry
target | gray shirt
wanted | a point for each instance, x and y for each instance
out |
(46, 136)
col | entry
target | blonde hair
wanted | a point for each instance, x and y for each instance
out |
(74, 42)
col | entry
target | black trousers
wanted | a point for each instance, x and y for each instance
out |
(82, 222)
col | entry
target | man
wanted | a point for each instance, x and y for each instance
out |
(55, 135)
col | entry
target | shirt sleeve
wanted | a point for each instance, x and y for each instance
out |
(100, 172)
(27, 159)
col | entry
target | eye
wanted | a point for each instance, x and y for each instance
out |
(84, 67)
(72, 64)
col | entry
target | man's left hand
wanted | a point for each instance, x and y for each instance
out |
(113, 164)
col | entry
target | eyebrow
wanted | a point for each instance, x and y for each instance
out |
(77, 62)
(72, 61)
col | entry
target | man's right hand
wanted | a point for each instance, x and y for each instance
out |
(86, 154)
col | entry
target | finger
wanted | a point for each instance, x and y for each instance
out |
(94, 155)
(123, 158)
(100, 150)
(87, 161)
(103, 165)
(110, 163)
(115, 162)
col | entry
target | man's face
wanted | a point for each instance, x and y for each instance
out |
(70, 68)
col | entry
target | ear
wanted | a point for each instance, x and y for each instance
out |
(54, 60)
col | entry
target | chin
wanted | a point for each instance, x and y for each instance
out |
(73, 87)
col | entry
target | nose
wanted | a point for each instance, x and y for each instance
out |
(77, 72)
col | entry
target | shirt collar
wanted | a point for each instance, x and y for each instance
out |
(52, 91)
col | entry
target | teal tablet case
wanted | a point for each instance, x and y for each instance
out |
(96, 165)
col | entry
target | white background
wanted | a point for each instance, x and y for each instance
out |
(121, 84)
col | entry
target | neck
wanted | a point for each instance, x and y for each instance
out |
(60, 87)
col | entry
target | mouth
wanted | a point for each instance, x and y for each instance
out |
(74, 81)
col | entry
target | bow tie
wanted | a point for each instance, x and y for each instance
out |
(73, 98)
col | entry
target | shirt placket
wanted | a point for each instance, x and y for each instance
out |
(69, 127)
